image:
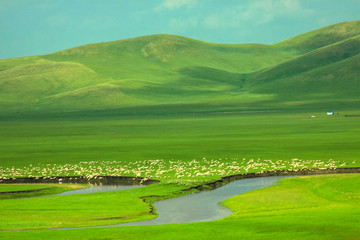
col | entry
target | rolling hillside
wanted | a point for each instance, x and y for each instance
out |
(322, 37)
(331, 71)
(168, 70)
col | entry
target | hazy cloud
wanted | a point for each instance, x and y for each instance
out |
(7, 4)
(43, 26)
(256, 12)
(182, 25)
(175, 4)
(213, 21)
(263, 11)
(57, 20)
(324, 21)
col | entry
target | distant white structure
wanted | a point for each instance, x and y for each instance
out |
(329, 113)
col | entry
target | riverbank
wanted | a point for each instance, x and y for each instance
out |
(324, 207)
(225, 180)
(150, 200)
(97, 180)
(289, 172)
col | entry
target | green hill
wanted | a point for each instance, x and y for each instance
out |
(327, 75)
(323, 37)
(168, 70)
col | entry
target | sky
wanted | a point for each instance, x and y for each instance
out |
(36, 27)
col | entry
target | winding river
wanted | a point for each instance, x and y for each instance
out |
(200, 206)
(203, 206)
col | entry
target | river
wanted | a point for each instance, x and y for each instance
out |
(200, 206)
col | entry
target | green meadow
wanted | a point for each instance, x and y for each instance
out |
(180, 150)
(274, 135)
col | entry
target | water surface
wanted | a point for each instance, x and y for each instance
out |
(205, 205)
(99, 188)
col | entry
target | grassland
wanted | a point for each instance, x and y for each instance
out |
(81, 209)
(221, 144)
(321, 207)
(271, 135)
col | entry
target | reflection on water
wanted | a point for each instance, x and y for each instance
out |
(99, 188)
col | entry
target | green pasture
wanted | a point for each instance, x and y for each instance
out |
(231, 139)
(251, 135)
(140, 141)
(316, 207)
(82, 209)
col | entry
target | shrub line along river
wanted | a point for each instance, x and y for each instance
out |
(205, 205)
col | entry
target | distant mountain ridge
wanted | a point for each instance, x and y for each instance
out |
(315, 69)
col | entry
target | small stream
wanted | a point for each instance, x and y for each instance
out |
(203, 206)
(200, 206)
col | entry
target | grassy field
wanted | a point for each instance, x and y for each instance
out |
(317, 207)
(180, 150)
(81, 209)
(274, 136)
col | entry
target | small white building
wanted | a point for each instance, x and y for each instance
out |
(329, 113)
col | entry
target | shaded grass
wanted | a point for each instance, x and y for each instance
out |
(328, 73)
(20, 187)
(323, 37)
(11, 191)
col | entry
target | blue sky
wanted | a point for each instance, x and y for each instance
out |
(35, 27)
